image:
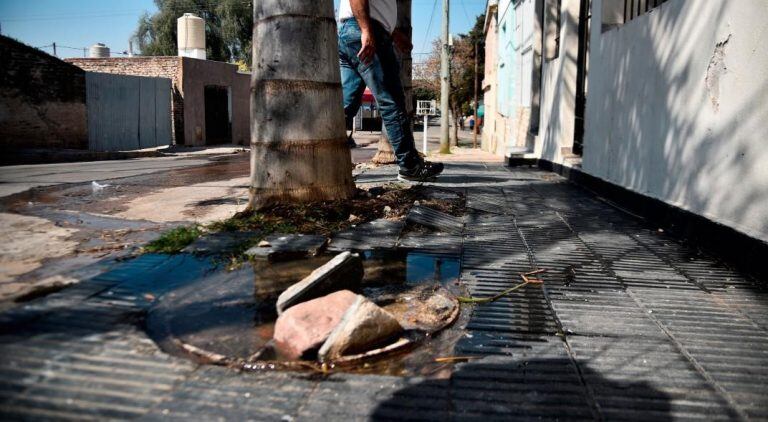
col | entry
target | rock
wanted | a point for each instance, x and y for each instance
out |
(343, 272)
(304, 327)
(281, 247)
(365, 326)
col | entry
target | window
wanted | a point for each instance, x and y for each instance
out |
(552, 26)
(619, 12)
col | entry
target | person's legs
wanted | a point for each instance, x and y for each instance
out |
(382, 76)
(352, 84)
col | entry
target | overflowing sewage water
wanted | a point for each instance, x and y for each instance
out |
(230, 316)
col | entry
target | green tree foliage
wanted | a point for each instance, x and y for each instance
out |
(228, 25)
(464, 54)
(462, 68)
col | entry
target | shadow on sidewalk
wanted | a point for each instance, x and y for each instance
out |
(527, 389)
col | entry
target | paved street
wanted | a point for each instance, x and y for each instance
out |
(69, 221)
(629, 324)
(15, 179)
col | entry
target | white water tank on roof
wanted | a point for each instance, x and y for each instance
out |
(191, 36)
(98, 51)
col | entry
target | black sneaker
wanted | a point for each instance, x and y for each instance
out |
(423, 172)
(351, 142)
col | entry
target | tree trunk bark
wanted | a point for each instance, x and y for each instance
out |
(455, 122)
(298, 137)
(385, 154)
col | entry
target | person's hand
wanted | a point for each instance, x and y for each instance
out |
(401, 41)
(368, 50)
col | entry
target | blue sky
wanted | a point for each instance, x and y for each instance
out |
(81, 23)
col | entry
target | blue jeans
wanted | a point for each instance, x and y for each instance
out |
(382, 76)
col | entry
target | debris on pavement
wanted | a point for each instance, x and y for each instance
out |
(526, 281)
(345, 271)
(364, 326)
(306, 326)
(280, 247)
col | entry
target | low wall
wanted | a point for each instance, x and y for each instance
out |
(42, 100)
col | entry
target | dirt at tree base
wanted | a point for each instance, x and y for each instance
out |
(391, 201)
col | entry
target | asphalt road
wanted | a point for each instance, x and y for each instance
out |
(15, 179)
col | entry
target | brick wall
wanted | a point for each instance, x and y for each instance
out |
(42, 100)
(162, 66)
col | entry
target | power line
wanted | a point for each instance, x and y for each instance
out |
(429, 27)
(464, 7)
(208, 6)
(68, 17)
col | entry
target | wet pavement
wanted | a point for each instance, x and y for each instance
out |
(230, 315)
(630, 323)
(91, 215)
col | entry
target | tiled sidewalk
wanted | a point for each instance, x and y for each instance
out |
(630, 324)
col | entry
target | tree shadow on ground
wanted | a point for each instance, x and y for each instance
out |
(538, 388)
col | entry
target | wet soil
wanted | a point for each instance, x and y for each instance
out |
(90, 215)
(391, 201)
(228, 317)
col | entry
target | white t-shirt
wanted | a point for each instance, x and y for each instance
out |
(384, 11)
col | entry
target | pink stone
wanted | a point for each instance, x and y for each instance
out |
(304, 327)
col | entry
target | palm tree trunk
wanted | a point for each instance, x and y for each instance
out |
(385, 154)
(298, 137)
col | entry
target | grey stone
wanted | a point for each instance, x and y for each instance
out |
(343, 272)
(280, 247)
(365, 326)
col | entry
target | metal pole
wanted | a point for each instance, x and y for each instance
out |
(426, 125)
(477, 126)
(445, 82)
(54, 50)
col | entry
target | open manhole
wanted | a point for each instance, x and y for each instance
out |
(229, 317)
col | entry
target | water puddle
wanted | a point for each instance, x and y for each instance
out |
(229, 316)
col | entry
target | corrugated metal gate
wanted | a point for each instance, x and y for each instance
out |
(127, 112)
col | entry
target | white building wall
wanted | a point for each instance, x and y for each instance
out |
(677, 108)
(558, 89)
(493, 122)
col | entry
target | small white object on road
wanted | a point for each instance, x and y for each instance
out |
(98, 187)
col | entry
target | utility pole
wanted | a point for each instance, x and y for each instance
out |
(54, 50)
(477, 126)
(445, 83)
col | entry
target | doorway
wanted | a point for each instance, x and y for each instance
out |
(582, 67)
(218, 115)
